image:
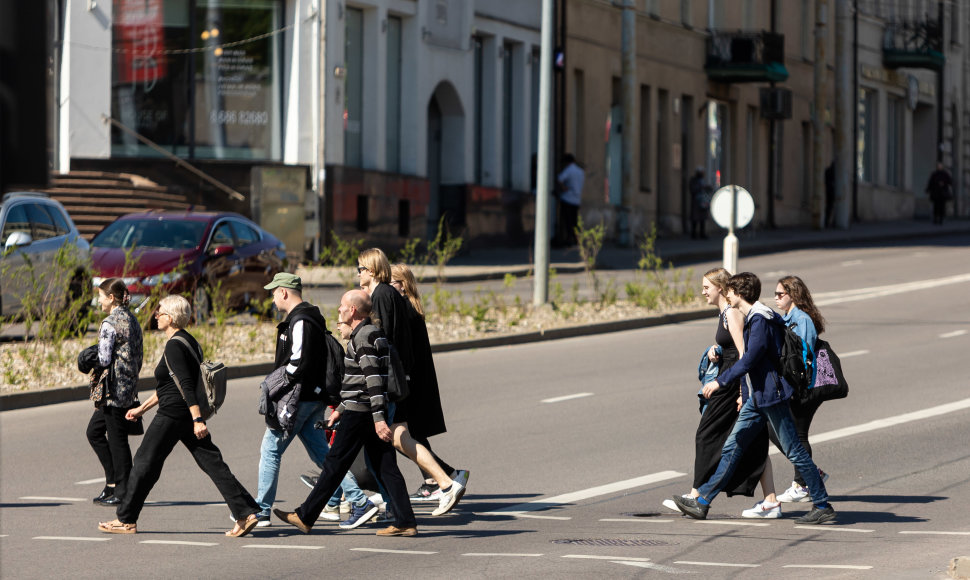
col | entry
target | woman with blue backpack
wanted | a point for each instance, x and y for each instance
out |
(793, 298)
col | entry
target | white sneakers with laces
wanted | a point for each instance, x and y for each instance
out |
(763, 510)
(795, 494)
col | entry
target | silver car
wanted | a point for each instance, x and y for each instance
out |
(44, 261)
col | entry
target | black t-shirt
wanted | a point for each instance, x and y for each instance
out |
(186, 367)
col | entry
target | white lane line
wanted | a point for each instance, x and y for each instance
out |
(653, 566)
(178, 543)
(614, 558)
(524, 515)
(381, 551)
(46, 498)
(71, 539)
(609, 488)
(851, 262)
(887, 422)
(853, 353)
(724, 564)
(566, 398)
(499, 554)
(939, 533)
(730, 523)
(953, 334)
(270, 547)
(842, 296)
(90, 481)
(828, 566)
(651, 520)
(835, 529)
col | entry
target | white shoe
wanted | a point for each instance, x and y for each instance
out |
(449, 498)
(330, 514)
(345, 507)
(795, 494)
(669, 503)
(763, 510)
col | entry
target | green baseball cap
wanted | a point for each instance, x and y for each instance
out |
(285, 280)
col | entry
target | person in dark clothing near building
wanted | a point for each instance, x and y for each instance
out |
(361, 421)
(119, 350)
(301, 348)
(178, 419)
(940, 189)
(700, 203)
(765, 394)
(571, 181)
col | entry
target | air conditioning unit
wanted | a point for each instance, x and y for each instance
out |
(775, 103)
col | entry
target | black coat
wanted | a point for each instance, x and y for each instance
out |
(425, 417)
(390, 314)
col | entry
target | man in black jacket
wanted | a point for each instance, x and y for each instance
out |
(301, 348)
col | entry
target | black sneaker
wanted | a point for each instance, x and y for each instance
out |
(817, 516)
(427, 492)
(691, 507)
(309, 480)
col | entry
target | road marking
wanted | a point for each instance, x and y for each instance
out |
(828, 566)
(835, 529)
(567, 398)
(651, 520)
(586, 557)
(90, 481)
(381, 551)
(853, 353)
(499, 554)
(178, 543)
(271, 547)
(609, 488)
(851, 262)
(71, 539)
(731, 523)
(653, 566)
(887, 422)
(725, 564)
(953, 334)
(842, 296)
(45, 498)
(940, 533)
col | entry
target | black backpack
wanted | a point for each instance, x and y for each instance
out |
(335, 360)
(795, 361)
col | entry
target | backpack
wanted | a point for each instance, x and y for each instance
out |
(335, 359)
(795, 361)
(397, 378)
(210, 392)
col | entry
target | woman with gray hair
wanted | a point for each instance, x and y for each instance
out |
(178, 420)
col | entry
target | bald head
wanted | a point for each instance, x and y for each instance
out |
(355, 306)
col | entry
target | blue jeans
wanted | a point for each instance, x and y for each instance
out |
(750, 421)
(315, 442)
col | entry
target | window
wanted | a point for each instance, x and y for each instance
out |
(579, 116)
(508, 90)
(894, 141)
(354, 88)
(41, 221)
(748, 15)
(187, 76)
(245, 235)
(808, 176)
(16, 222)
(60, 222)
(685, 13)
(645, 137)
(393, 113)
(478, 47)
(807, 18)
(222, 236)
(867, 144)
(653, 8)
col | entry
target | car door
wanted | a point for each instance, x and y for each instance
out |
(13, 282)
(47, 280)
(223, 266)
(253, 262)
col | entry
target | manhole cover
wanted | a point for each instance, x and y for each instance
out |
(611, 542)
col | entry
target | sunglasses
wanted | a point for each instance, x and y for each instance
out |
(161, 314)
(780, 294)
(361, 269)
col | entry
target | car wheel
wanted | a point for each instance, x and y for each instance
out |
(201, 304)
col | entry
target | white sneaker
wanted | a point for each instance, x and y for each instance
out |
(763, 510)
(345, 507)
(330, 514)
(669, 503)
(449, 498)
(795, 494)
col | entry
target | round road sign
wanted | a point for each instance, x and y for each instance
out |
(721, 206)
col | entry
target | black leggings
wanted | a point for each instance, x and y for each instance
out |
(108, 436)
(803, 414)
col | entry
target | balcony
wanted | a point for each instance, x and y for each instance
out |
(746, 57)
(914, 44)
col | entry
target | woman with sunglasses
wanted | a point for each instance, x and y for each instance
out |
(793, 298)
(178, 419)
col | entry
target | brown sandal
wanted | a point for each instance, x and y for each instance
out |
(116, 527)
(240, 530)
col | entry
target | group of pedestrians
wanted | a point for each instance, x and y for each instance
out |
(386, 310)
(750, 401)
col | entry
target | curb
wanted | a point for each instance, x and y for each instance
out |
(28, 399)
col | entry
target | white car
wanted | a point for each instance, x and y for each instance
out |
(33, 267)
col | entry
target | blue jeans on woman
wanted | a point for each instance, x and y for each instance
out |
(750, 421)
(315, 442)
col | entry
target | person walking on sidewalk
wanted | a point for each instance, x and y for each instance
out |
(119, 351)
(178, 419)
(361, 421)
(801, 315)
(390, 311)
(700, 203)
(764, 399)
(424, 413)
(571, 180)
(301, 348)
(940, 188)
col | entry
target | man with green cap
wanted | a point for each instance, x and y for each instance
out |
(301, 348)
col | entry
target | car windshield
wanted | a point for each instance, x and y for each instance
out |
(151, 233)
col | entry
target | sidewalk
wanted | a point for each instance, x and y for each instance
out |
(495, 262)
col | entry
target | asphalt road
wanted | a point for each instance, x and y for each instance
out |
(572, 445)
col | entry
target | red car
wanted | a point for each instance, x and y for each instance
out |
(188, 252)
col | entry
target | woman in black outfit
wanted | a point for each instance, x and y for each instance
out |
(178, 419)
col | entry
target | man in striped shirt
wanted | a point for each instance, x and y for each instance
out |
(362, 417)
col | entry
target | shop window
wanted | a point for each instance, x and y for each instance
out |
(865, 161)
